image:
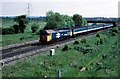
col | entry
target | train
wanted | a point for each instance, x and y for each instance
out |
(50, 35)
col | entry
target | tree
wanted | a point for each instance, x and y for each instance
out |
(68, 20)
(54, 20)
(84, 22)
(21, 20)
(79, 20)
(57, 21)
(16, 28)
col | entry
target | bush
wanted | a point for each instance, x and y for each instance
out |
(114, 34)
(116, 30)
(78, 48)
(34, 27)
(9, 30)
(99, 41)
(85, 50)
(98, 35)
(83, 40)
(76, 42)
(22, 38)
(65, 48)
(88, 45)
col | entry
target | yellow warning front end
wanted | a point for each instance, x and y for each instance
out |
(49, 38)
(46, 36)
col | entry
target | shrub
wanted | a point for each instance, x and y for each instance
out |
(99, 41)
(116, 30)
(22, 38)
(34, 27)
(9, 30)
(78, 48)
(87, 50)
(65, 48)
(83, 40)
(97, 35)
(114, 34)
(76, 42)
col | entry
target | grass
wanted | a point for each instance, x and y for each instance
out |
(7, 23)
(103, 62)
(19, 38)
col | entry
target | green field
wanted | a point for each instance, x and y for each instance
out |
(7, 22)
(20, 38)
(86, 58)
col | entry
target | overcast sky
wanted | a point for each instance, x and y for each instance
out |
(87, 8)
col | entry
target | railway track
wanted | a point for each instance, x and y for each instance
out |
(16, 53)
(17, 46)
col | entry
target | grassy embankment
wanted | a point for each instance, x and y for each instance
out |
(19, 38)
(87, 58)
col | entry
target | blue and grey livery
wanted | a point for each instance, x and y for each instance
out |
(53, 35)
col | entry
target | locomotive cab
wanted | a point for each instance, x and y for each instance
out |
(45, 36)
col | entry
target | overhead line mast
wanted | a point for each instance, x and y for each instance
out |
(28, 9)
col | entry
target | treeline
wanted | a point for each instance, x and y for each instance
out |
(54, 20)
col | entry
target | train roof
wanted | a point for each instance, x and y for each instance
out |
(50, 31)
(62, 30)
(46, 32)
